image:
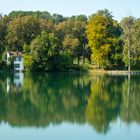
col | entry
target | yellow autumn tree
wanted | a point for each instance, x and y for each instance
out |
(103, 38)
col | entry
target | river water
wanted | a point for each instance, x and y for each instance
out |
(67, 106)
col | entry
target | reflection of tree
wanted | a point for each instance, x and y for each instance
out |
(54, 98)
(104, 102)
(130, 110)
(46, 99)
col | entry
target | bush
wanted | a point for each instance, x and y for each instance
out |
(59, 63)
(136, 66)
(3, 65)
(28, 62)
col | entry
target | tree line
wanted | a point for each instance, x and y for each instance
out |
(55, 42)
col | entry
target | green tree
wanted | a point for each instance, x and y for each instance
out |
(71, 45)
(57, 18)
(71, 34)
(28, 62)
(22, 30)
(46, 26)
(44, 50)
(82, 18)
(37, 14)
(126, 25)
(135, 51)
(3, 31)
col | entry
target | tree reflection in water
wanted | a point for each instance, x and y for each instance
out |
(39, 100)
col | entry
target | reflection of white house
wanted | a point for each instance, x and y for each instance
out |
(18, 81)
(17, 59)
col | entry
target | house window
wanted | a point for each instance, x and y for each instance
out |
(19, 58)
(17, 77)
(17, 65)
(15, 59)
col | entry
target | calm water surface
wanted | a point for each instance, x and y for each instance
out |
(69, 107)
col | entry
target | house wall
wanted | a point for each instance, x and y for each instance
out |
(18, 62)
(8, 57)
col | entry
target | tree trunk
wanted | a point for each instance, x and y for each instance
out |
(90, 61)
(98, 66)
(78, 60)
(83, 53)
(129, 47)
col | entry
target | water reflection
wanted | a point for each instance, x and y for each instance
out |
(17, 81)
(39, 100)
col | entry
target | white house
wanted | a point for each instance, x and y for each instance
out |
(17, 60)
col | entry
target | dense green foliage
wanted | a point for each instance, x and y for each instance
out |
(44, 51)
(72, 37)
(98, 40)
(22, 30)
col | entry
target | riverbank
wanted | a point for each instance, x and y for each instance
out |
(77, 69)
(115, 72)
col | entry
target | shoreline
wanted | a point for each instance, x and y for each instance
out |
(116, 72)
(100, 71)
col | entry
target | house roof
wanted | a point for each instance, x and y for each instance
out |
(17, 53)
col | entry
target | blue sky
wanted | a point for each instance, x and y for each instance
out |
(120, 8)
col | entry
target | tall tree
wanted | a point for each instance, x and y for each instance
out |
(135, 51)
(3, 31)
(22, 30)
(126, 25)
(103, 35)
(72, 37)
(44, 50)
